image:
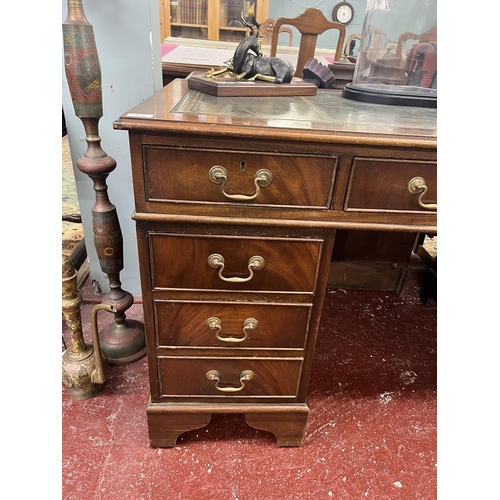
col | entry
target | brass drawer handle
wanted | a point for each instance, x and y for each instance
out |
(245, 376)
(218, 175)
(216, 260)
(216, 324)
(418, 185)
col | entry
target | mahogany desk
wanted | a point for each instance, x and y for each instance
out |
(237, 204)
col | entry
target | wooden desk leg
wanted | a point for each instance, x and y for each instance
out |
(165, 428)
(167, 422)
(288, 427)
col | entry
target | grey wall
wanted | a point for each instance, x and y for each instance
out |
(127, 35)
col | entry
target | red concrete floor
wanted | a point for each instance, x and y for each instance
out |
(371, 432)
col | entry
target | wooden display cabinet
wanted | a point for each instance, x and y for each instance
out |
(207, 19)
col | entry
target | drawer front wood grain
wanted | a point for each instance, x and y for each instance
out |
(182, 175)
(182, 262)
(187, 377)
(382, 185)
(234, 325)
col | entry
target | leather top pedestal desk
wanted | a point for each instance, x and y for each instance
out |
(237, 202)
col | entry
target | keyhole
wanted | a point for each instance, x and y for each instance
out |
(242, 165)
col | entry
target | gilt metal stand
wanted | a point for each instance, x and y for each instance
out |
(124, 340)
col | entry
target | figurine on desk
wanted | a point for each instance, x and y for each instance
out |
(248, 62)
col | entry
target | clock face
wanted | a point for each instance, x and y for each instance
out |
(343, 13)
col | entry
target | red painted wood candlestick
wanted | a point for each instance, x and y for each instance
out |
(124, 340)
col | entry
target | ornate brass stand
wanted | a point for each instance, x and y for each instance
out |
(124, 340)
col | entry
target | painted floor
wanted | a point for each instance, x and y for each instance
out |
(371, 431)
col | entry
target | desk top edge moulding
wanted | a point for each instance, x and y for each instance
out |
(237, 207)
(123, 340)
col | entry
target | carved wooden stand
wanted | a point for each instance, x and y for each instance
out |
(124, 340)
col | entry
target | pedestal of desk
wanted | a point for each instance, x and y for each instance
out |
(167, 422)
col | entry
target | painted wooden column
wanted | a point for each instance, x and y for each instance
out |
(123, 340)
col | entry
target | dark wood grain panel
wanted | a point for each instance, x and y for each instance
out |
(175, 174)
(181, 323)
(180, 262)
(186, 377)
(382, 185)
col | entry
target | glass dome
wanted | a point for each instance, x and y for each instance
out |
(397, 58)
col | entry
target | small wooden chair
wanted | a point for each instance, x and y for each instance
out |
(267, 28)
(310, 24)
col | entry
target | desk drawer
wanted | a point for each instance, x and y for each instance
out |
(230, 324)
(183, 174)
(382, 185)
(229, 377)
(210, 262)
